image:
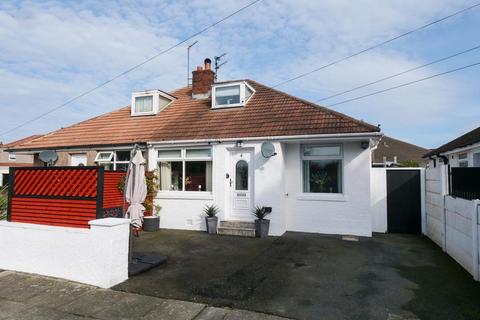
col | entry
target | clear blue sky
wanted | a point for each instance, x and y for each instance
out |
(54, 50)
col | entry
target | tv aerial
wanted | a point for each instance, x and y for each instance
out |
(217, 65)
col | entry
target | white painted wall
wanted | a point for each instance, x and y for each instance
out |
(378, 198)
(348, 213)
(183, 210)
(278, 184)
(96, 256)
(461, 238)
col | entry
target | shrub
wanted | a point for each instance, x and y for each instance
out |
(3, 202)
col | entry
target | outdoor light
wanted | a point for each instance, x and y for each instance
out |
(365, 145)
(239, 143)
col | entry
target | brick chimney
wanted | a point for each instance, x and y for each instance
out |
(202, 81)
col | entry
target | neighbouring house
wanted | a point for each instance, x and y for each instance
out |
(463, 151)
(392, 152)
(12, 159)
(452, 201)
(205, 143)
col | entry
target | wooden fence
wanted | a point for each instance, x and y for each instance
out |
(63, 196)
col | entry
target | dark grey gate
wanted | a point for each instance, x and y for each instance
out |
(404, 211)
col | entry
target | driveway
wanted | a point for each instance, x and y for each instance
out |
(310, 276)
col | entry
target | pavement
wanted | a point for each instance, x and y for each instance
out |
(31, 297)
(310, 276)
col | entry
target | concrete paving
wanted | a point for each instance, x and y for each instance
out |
(309, 276)
(31, 297)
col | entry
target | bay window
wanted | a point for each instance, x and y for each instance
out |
(322, 168)
(185, 169)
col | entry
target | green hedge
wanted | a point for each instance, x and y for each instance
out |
(3, 202)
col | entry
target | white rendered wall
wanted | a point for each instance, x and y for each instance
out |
(183, 210)
(96, 256)
(378, 197)
(332, 214)
(436, 189)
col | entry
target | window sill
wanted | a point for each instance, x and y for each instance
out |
(334, 197)
(185, 195)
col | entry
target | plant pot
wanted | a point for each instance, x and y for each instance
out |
(211, 223)
(151, 223)
(261, 228)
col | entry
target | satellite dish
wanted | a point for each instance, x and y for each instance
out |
(48, 156)
(268, 149)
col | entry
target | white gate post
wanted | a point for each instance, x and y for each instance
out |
(475, 239)
(444, 192)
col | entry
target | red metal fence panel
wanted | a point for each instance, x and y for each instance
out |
(112, 197)
(62, 196)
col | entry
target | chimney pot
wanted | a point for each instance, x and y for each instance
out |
(208, 64)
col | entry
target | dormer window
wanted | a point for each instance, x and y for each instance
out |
(149, 102)
(144, 104)
(231, 95)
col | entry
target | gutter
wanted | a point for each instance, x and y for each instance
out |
(109, 147)
(337, 136)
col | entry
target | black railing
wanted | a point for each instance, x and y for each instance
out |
(465, 183)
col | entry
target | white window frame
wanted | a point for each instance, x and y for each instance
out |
(340, 196)
(74, 155)
(112, 159)
(463, 159)
(12, 157)
(243, 101)
(183, 158)
(156, 101)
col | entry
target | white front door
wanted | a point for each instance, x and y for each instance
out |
(79, 159)
(241, 185)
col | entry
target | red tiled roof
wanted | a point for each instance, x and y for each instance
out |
(268, 113)
(20, 141)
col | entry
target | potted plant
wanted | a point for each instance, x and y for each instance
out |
(211, 218)
(152, 223)
(261, 224)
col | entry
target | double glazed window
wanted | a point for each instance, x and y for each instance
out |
(322, 168)
(185, 169)
(231, 95)
(463, 160)
(113, 160)
(144, 104)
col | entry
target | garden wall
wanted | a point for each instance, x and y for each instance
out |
(97, 256)
(461, 232)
